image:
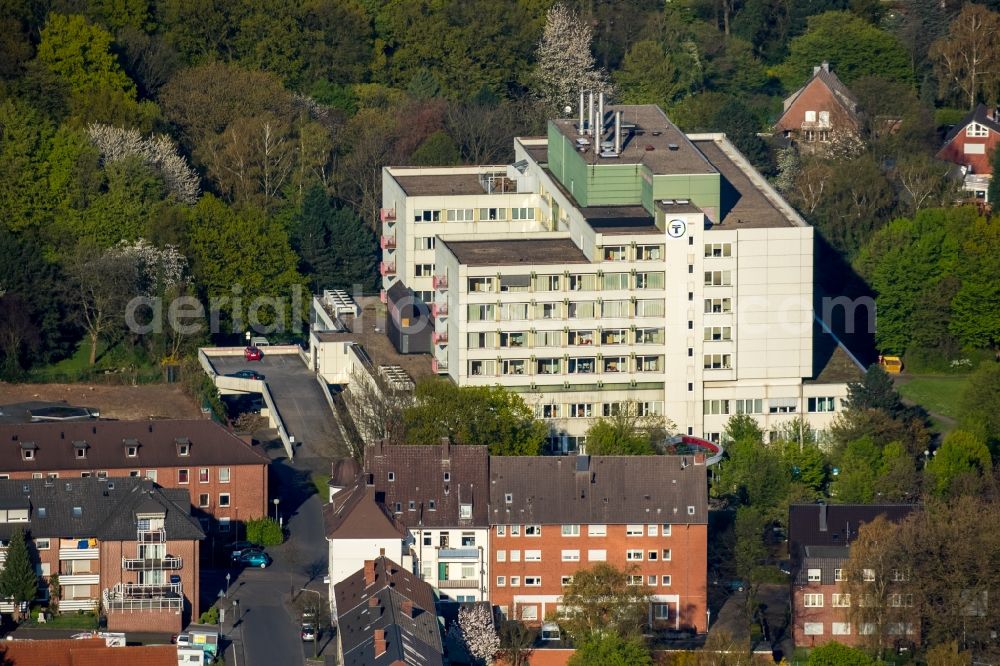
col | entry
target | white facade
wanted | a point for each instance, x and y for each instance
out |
(347, 556)
(455, 561)
(694, 321)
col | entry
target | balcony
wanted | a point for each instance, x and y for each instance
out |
(388, 242)
(439, 309)
(138, 564)
(459, 584)
(79, 579)
(458, 553)
(387, 268)
(440, 337)
(139, 597)
(439, 366)
(151, 536)
(79, 553)
(440, 282)
(387, 214)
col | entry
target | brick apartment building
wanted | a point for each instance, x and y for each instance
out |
(125, 544)
(226, 479)
(386, 617)
(551, 516)
(819, 538)
(441, 494)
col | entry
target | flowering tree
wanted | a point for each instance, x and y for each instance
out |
(158, 151)
(566, 64)
(475, 632)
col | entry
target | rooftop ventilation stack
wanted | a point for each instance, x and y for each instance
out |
(580, 128)
(590, 111)
(618, 132)
(600, 115)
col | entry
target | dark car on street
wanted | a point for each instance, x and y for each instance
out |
(246, 374)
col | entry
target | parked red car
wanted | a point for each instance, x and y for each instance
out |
(253, 354)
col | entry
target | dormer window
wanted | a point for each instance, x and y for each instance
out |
(465, 511)
(80, 449)
(447, 477)
(411, 505)
(508, 498)
(183, 446)
(977, 130)
(392, 477)
(28, 450)
(432, 505)
(131, 448)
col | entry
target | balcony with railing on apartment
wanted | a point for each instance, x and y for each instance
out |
(458, 553)
(459, 584)
(440, 282)
(386, 268)
(387, 215)
(79, 572)
(143, 597)
(387, 242)
(78, 549)
(439, 309)
(151, 536)
(439, 365)
(440, 337)
(167, 562)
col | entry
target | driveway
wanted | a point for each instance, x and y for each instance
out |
(300, 400)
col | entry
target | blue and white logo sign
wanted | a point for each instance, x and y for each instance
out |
(676, 228)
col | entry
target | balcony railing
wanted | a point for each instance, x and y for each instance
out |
(439, 365)
(79, 553)
(440, 337)
(460, 583)
(139, 596)
(140, 564)
(439, 309)
(151, 536)
(387, 268)
(388, 242)
(387, 214)
(458, 553)
(440, 281)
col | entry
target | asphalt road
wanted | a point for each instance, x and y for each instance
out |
(266, 631)
(300, 400)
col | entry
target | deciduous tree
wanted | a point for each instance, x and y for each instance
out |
(967, 58)
(475, 632)
(610, 649)
(604, 602)
(565, 64)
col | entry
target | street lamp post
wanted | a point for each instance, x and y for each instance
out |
(277, 501)
(227, 584)
(319, 608)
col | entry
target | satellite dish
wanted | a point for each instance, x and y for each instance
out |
(568, 109)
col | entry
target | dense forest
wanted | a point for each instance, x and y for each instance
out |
(232, 149)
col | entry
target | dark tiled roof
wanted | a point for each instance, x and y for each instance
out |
(841, 93)
(210, 444)
(344, 472)
(825, 558)
(834, 525)
(413, 638)
(980, 115)
(598, 489)
(107, 508)
(832, 362)
(354, 514)
(419, 476)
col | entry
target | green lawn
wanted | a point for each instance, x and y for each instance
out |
(71, 620)
(322, 484)
(940, 394)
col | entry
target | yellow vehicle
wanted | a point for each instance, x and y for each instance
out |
(891, 364)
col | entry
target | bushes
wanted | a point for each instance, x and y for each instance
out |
(264, 532)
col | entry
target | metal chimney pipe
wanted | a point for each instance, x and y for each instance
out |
(600, 115)
(590, 107)
(581, 127)
(618, 132)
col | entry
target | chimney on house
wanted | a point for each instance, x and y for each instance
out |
(699, 459)
(822, 517)
(826, 66)
(369, 573)
(407, 608)
(446, 448)
(380, 643)
(379, 446)
(372, 602)
(816, 69)
(381, 552)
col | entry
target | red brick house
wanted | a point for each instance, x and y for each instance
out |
(84, 652)
(123, 544)
(817, 112)
(224, 476)
(970, 144)
(551, 516)
(819, 538)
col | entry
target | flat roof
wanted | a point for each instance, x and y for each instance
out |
(648, 137)
(509, 252)
(440, 184)
(619, 219)
(743, 203)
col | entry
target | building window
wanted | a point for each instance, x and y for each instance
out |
(428, 538)
(566, 581)
(224, 475)
(717, 333)
(533, 530)
(134, 473)
(838, 575)
(223, 524)
(42, 544)
(718, 361)
(634, 579)
(459, 215)
(515, 581)
(666, 555)
(716, 407)
(812, 628)
(652, 555)
(131, 451)
(822, 404)
(412, 505)
(718, 305)
(649, 281)
(661, 611)
(203, 500)
(465, 511)
(581, 410)
(492, 214)
(718, 278)
(182, 476)
(665, 580)
(28, 454)
(868, 575)
(515, 556)
(651, 580)
(748, 406)
(522, 213)
(515, 530)
(571, 530)
(151, 474)
(782, 405)
(614, 253)
(426, 215)
(529, 613)
(532, 556)
(813, 575)
(203, 476)
(840, 600)
(977, 130)
(223, 499)
(392, 477)
(812, 600)
(810, 116)
(840, 628)
(897, 600)
(501, 530)
(571, 556)
(634, 530)
(597, 530)
(597, 555)
(501, 556)
(718, 249)
(532, 581)
(501, 581)
(424, 242)
(633, 555)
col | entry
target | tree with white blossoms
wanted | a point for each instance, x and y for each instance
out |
(475, 632)
(566, 64)
(156, 150)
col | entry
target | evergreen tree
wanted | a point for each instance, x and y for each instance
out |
(18, 580)
(312, 238)
(353, 249)
(874, 391)
(994, 191)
